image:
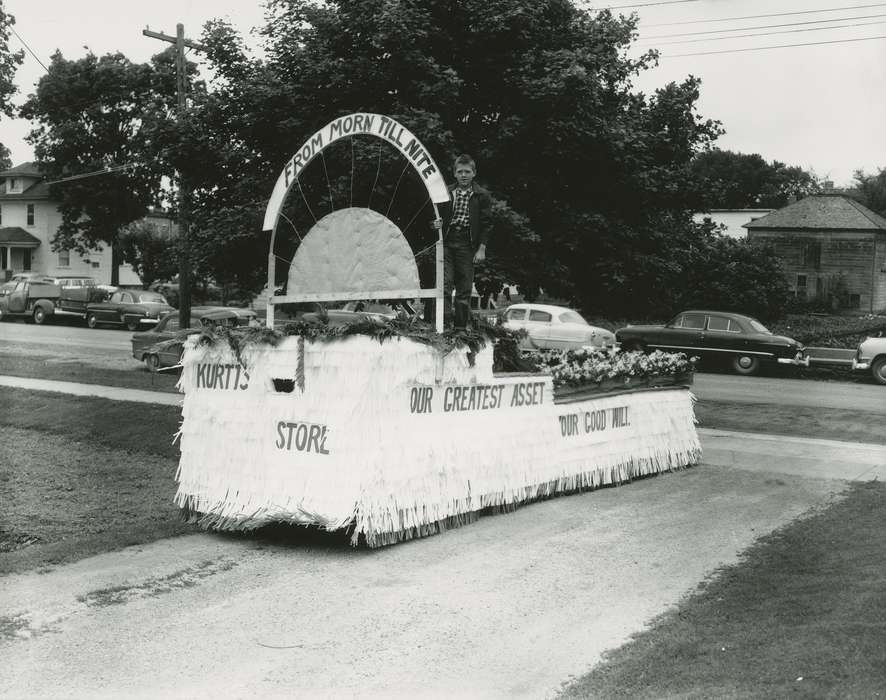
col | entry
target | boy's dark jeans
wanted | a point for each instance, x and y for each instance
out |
(458, 274)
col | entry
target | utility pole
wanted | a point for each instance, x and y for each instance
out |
(184, 194)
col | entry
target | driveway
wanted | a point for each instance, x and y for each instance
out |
(509, 606)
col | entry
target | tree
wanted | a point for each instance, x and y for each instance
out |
(729, 180)
(870, 190)
(5, 160)
(9, 62)
(95, 117)
(150, 252)
(588, 176)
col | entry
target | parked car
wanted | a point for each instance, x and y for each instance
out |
(740, 339)
(151, 346)
(554, 328)
(871, 355)
(357, 310)
(76, 281)
(132, 308)
(32, 277)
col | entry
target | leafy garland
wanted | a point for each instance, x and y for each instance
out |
(506, 352)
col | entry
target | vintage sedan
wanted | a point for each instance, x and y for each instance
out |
(162, 345)
(554, 328)
(871, 356)
(717, 335)
(132, 308)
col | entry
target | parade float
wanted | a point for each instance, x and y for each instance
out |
(392, 431)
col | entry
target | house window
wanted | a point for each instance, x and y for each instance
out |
(13, 184)
(26, 260)
(96, 263)
(812, 255)
(1, 216)
(854, 301)
(30, 215)
(801, 286)
(64, 258)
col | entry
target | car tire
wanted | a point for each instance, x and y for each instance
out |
(152, 362)
(746, 364)
(878, 370)
(132, 324)
(39, 315)
(91, 320)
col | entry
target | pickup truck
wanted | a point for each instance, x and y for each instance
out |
(41, 301)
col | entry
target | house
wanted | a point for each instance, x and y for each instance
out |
(830, 247)
(28, 222)
(733, 220)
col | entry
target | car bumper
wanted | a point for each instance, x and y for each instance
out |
(860, 365)
(798, 360)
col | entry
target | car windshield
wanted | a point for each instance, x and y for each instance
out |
(572, 317)
(759, 327)
(151, 298)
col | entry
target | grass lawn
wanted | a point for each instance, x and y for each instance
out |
(802, 615)
(80, 476)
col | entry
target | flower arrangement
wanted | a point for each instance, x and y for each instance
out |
(584, 367)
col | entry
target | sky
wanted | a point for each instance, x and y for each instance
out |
(821, 107)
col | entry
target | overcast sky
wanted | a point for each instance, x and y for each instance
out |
(822, 107)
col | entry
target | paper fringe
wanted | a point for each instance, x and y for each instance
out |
(391, 478)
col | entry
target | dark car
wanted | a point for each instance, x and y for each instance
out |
(162, 345)
(717, 335)
(132, 308)
(360, 310)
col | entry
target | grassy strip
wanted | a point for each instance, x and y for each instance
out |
(41, 367)
(128, 427)
(65, 499)
(803, 614)
(83, 475)
(797, 421)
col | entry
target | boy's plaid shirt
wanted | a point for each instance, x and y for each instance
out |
(460, 208)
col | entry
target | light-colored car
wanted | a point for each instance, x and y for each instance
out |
(871, 355)
(555, 328)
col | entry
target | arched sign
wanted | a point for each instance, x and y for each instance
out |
(351, 125)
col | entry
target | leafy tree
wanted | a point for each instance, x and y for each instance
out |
(5, 160)
(729, 180)
(9, 62)
(870, 190)
(588, 176)
(95, 116)
(150, 251)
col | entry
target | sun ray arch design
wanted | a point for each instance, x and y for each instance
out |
(355, 252)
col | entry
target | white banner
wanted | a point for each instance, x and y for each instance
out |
(377, 125)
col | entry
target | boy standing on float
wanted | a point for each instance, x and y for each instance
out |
(465, 229)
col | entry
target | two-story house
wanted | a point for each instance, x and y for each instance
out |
(28, 222)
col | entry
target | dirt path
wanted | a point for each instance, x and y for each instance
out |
(510, 606)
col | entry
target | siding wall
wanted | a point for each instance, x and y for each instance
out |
(856, 257)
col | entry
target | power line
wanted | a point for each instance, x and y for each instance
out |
(783, 31)
(12, 29)
(781, 46)
(776, 14)
(645, 4)
(94, 173)
(762, 26)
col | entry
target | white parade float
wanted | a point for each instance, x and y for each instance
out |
(396, 439)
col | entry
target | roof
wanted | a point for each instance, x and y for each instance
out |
(15, 235)
(822, 211)
(39, 190)
(30, 169)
